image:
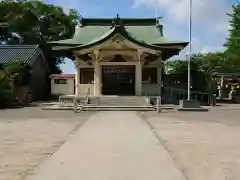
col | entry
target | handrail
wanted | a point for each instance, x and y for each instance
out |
(75, 103)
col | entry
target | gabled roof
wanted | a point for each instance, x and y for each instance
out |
(147, 31)
(120, 30)
(22, 53)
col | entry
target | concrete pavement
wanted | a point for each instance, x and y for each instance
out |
(110, 146)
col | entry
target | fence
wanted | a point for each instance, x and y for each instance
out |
(172, 95)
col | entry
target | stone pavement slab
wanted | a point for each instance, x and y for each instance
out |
(110, 146)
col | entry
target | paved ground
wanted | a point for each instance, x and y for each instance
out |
(204, 145)
(110, 146)
(30, 135)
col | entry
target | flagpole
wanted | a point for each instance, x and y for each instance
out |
(159, 97)
(190, 49)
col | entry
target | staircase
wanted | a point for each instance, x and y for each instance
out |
(112, 103)
(120, 101)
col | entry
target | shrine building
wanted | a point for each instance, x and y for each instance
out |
(119, 56)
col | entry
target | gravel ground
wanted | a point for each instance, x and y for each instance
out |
(204, 145)
(29, 135)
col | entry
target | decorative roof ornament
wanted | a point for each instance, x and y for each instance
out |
(158, 21)
(117, 22)
(118, 58)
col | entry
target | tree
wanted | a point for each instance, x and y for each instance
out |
(19, 73)
(232, 54)
(178, 72)
(7, 36)
(219, 62)
(38, 23)
(13, 77)
(233, 41)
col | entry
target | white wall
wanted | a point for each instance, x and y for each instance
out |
(62, 89)
(85, 89)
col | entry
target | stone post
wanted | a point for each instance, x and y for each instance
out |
(158, 104)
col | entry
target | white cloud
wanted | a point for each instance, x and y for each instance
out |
(208, 13)
(199, 46)
(207, 49)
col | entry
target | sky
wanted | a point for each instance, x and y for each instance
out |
(209, 19)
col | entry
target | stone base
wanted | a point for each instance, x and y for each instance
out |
(190, 105)
(193, 109)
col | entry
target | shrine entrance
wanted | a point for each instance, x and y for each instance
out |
(118, 80)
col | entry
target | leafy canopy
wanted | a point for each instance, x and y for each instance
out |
(19, 73)
(37, 23)
(233, 41)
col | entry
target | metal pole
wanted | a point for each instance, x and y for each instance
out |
(190, 49)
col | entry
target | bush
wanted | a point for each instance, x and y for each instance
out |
(7, 98)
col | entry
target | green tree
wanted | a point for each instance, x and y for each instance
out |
(219, 62)
(232, 54)
(178, 71)
(38, 23)
(19, 73)
(13, 76)
(233, 41)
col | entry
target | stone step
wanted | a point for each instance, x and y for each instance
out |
(108, 100)
(99, 108)
(117, 108)
(121, 103)
(120, 100)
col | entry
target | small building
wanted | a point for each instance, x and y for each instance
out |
(62, 84)
(226, 82)
(119, 56)
(33, 56)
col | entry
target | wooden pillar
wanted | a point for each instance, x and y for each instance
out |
(138, 79)
(159, 75)
(97, 77)
(77, 80)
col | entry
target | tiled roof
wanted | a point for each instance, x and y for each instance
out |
(145, 30)
(22, 53)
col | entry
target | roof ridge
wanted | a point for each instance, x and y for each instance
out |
(125, 21)
(37, 52)
(100, 19)
(20, 46)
